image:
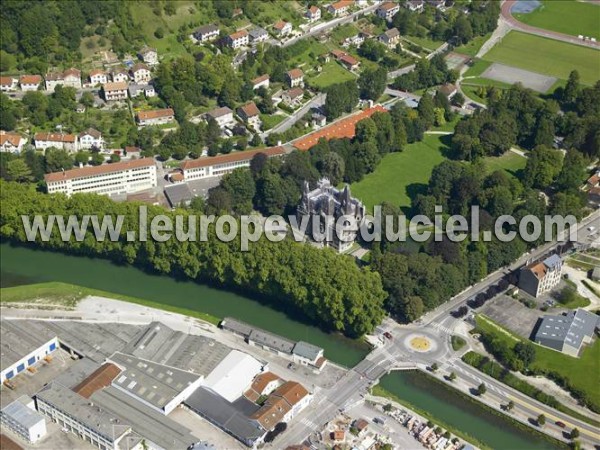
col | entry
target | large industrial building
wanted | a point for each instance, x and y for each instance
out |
(567, 333)
(21, 349)
(21, 418)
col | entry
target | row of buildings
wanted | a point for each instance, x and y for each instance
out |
(11, 142)
(122, 393)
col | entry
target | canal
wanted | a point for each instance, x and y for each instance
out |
(21, 265)
(450, 407)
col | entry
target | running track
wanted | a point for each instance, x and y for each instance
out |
(516, 25)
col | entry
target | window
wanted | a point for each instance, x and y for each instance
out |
(20, 367)
(52, 347)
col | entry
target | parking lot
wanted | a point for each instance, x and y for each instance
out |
(508, 74)
(512, 314)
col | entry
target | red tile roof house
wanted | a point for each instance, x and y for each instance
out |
(115, 91)
(282, 28)
(349, 62)
(340, 8)
(313, 13)
(57, 140)
(8, 84)
(30, 82)
(238, 39)
(388, 10)
(155, 117)
(293, 96)
(11, 142)
(295, 77)
(263, 80)
(250, 114)
(141, 74)
(98, 76)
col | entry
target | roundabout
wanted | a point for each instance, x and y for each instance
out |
(420, 343)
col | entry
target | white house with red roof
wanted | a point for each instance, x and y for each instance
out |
(11, 142)
(8, 84)
(30, 82)
(313, 13)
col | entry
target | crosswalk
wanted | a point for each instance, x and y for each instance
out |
(441, 327)
(306, 422)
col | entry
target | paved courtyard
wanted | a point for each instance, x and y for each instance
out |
(510, 75)
(512, 314)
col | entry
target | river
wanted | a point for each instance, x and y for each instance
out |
(453, 409)
(21, 265)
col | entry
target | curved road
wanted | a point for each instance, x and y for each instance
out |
(520, 26)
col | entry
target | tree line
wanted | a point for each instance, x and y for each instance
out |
(288, 274)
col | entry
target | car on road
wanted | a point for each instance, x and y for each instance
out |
(388, 335)
(591, 229)
(560, 424)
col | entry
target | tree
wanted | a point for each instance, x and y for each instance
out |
(57, 160)
(426, 110)
(525, 351)
(388, 407)
(241, 188)
(413, 308)
(458, 99)
(573, 171)
(481, 389)
(452, 376)
(366, 130)
(571, 90)
(372, 83)
(543, 166)
(18, 171)
(462, 29)
(574, 433)
(333, 167)
(510, 405)
(434, 367)
(541, 420)
(114, 158)
(87, 99)
(97, 159)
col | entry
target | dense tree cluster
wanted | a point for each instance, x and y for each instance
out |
(427, 73)
(287, 273)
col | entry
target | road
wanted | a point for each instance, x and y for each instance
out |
(437, 326)
(321, 27)
(520, 26)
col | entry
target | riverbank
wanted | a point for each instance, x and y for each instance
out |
(459, 412)
(22, 266)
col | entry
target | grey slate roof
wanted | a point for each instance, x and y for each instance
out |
(145, 421)
(154, 383)
(570, 329)
(16, 341)
(75, 406)
(271, 340)
(552, 261)
(205, 29)
(225, 415)
(18, 412)
(178, 194)
(257, 32)
(306, 350)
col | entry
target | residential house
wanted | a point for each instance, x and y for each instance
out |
(238, 39)
(98, 76)
(30, 82)
(72, 78)
(282, 405)
(223, 116)
(295, 77)
(141, 73)
(115, 91)
(91, 138)
(282, 28)
(338, 436)
(349, 62)
(340, 8)
(149, 56)
(437, 3)
(206, 33)
(250, 114)
(8, 84)
(449, 90)
(262, 81)
(132, 152)
(313, 13)
(293, 97)
(540, 277)
(356, 40)
(263, 384)
(415, 5)
(119, 76)
(135, 90)
(390, 38)
(11, 142)
(361, 425)
(57, 140)
(258, 34)
(593, 181)
(149, 91)
(387, 10)
(155, 117)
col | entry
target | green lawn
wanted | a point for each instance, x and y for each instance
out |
(399, 175)
(546, 56)
(425, 42)
(565, 16)
(270, 120)
(478, 68)
(56, 293)
(510, 162)
(342, 32)
(332, 73)
(583, 372)
(472, 47)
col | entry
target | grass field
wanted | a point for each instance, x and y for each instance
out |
(509, 162)
(546, 56)
(583, 372)
(472, 47)
(565, 16)
(43, 295)
(400, 175)
(332, 73)
(270, 120)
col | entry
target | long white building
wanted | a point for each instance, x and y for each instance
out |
(219, 165)
(117, 178)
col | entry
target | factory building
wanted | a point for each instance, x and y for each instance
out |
(21, 418)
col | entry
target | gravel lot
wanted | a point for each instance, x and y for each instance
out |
(508, 74)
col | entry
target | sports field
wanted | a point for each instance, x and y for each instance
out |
(565, 16)
(399, 175)
(546, 56)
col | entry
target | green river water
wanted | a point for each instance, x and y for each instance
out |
(22, 265)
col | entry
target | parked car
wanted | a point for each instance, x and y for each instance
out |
(560, 424)
(388, 335)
